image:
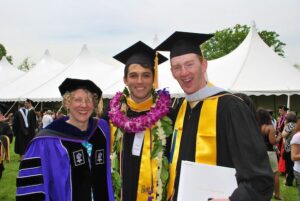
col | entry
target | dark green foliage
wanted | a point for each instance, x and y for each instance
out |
(228, 39)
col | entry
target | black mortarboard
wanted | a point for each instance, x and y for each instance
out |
(70, 85)
(180, 43)
(283, 107)
(139, 53)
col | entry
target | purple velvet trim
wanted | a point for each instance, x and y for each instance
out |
(105, 128)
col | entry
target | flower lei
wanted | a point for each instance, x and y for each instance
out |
(161, 128)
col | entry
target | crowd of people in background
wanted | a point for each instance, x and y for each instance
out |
(22, 125)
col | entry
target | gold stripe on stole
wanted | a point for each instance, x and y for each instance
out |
(112, 135)
(148, 170)
(205, 140)
(176, 138)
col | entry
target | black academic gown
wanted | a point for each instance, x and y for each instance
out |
(131, 164)
(239, 145)
(21, 133)
(32, 123)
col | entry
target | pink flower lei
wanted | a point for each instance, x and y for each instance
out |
(132, 125)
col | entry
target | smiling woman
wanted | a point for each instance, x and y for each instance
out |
(80, 104)
(76, 145)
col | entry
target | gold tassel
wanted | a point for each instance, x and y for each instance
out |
(155, 83)
(99, 108)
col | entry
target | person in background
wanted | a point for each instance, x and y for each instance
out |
(59, 114)
(140, 127)
(47, 118)
(282, 110)
(32, 118)
(274, 121)
(287, 134)
(6, 137)
(234, 139)
(20, 129)
(295, 155)
(69, 159)
(39, 116)
(269, 136)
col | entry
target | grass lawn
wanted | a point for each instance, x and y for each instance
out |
(8, 181)
(289, 193)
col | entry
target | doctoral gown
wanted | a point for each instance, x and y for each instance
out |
(59, 166)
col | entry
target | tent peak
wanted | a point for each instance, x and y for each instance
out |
(84, 47)
(4, 60)
(47, 53)
(253, 25)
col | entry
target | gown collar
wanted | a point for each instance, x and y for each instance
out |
(203, 93)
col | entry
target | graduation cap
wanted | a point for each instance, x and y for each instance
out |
(180, 43)
(283, 107)
(69, 85)
(139, 53)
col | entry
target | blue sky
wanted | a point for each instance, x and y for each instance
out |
(30, 27)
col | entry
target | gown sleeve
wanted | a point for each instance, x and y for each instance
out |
(44, 173)
(248, 154)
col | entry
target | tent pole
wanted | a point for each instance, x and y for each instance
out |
(288, 100)
(10, 108)
(36, 105)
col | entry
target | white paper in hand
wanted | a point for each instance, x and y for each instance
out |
(198, 182)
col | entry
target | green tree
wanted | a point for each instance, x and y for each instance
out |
(3, 54)
(26, 65)
(227, 40)
(2, 51)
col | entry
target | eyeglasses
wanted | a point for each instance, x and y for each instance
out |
(81, 101)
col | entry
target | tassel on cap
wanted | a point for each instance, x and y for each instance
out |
(155, 83)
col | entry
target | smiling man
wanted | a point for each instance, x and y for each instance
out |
(139, 126)
(213, 126)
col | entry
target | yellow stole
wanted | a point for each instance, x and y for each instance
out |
(205, 140)
(148, 167)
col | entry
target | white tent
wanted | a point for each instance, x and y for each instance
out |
(42, 72)
(252, 68)
(8, 73)
(255, 69)
(85, 66)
